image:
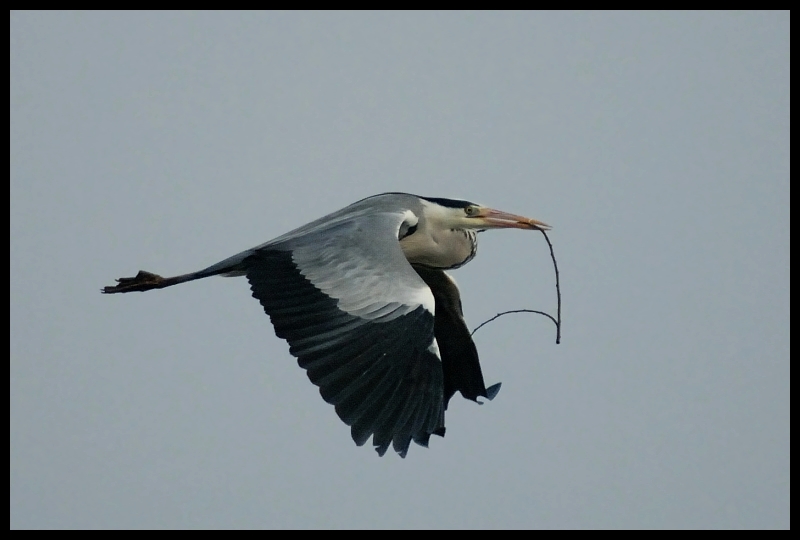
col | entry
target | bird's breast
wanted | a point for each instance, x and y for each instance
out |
(444, 249)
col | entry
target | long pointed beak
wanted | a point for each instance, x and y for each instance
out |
(495, 219)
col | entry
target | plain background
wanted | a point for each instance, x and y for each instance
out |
(656, 144)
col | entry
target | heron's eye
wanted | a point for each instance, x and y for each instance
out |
(471, 210)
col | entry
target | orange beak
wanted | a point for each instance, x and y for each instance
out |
(495, 219)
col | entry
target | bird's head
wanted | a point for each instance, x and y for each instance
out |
(458, 214)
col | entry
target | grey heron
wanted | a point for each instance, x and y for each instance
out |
(362, 297)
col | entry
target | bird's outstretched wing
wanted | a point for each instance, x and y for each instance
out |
(361, 323)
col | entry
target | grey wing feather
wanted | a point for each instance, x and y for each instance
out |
(360, 321)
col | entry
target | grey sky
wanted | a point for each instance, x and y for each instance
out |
(656, 144)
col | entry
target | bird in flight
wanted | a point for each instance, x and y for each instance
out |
(362, 297)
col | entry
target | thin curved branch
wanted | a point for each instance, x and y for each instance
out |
(515, 311)
(556, 321)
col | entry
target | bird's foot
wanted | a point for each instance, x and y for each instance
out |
(144, 281)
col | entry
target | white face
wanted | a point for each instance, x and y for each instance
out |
(447, 217)
(476, 217)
